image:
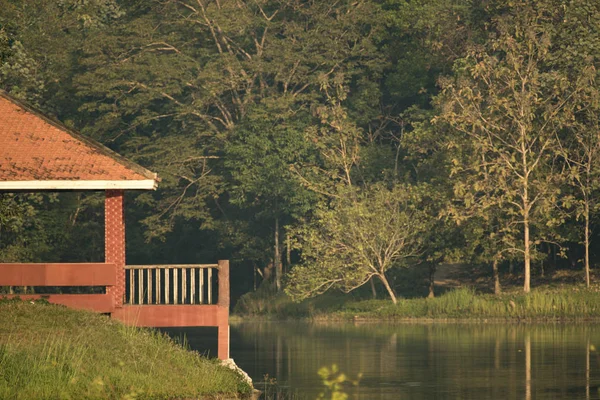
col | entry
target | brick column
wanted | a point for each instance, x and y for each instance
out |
(114, 241)
(223, 311)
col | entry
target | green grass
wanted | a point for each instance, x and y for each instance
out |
(51, 352)
(266, 302)
(541, 304)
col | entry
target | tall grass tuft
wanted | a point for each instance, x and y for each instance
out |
(465, 303)
(52, 370)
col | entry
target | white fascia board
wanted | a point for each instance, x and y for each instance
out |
(146, 184)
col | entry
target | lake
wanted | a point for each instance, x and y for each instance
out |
(417, 361)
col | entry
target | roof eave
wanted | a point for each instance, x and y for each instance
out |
(145, 184)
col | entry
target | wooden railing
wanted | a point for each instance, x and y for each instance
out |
(57, 274)
(62, 275)
(155, 295)
(171, 284)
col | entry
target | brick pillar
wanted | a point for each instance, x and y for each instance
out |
(114, 241)
(223, 311)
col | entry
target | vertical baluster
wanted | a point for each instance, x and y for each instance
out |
(183, 285)
(131, 286)
(193, 286)
(175, 286)
(150, 286)
(157, 288)
(201, 286)
(209, 282)
(167, 270)
(140, 289)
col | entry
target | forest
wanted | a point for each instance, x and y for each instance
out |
(320, 145)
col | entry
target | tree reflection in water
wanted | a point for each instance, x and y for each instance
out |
(425, 361)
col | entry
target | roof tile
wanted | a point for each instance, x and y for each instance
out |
(34, 148)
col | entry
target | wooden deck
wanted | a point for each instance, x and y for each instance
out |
(153, 296)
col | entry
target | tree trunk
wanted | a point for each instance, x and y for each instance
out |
(384, 280)
(432, 269)
(527, 256)
(373, 290)
(288, 258)
(497, 289)
(587, 244)
(277, 257)
(526, 210)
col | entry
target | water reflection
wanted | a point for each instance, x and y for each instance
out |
(441, 361)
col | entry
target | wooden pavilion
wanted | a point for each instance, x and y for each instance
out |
(40, 154)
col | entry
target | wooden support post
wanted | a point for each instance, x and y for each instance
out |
(223, 310)
(114, 242)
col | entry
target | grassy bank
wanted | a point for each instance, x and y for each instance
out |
(464, 303)
(51, 352)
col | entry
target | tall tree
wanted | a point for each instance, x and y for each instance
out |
(577, 49)
(359, 230)
(258, 157)
(510, 106)
(581, 146)
(171, 83)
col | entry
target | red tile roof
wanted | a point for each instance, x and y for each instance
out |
(36, 148)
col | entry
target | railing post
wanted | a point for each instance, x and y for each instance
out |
(223, 310)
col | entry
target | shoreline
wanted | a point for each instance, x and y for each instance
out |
(238, 320)
(463, 305)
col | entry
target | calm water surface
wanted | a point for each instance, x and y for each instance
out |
(420, 361)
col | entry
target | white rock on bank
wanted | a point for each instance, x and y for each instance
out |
(229, 363)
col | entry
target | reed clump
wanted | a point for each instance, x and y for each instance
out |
(571, 303)
(465, 303)
(51, 352)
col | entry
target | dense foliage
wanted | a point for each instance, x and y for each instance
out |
(319, 145)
